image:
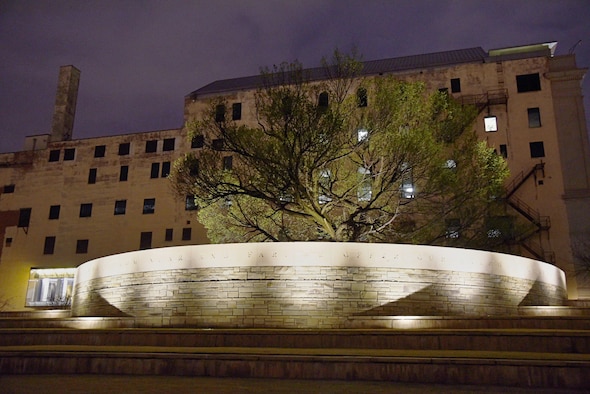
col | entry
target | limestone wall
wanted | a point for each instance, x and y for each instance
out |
(319, 285)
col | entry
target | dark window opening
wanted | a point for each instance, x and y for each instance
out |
(236, 111)
(151, 146)
(124, 149)
(54, 212)
(323, 100)
(92, 176)
(534, 117)
(165, 169)
(120, 207)
(504, 150)
(149, 205)
(444, 90)
(227, 163)
(145, 240)
(361, 96)
(220, 113)
(194, 168)
(537, 149)
(190, 204)
(169, 233)
(8, 242)
(528, 83)
(99, 150)
(198, 141)
(124, 173)
(85, 210)
(453, 227)
(155, 172)
(217, 144)
(54, 155)
(455, 85)
(69, 154)
(168, 144)
(49, 245)
(82, 246)
(24, 217)
(9, 188)
(186, 234)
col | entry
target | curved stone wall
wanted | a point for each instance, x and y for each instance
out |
(309, 284)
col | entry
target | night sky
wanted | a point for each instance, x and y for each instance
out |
(140, 58)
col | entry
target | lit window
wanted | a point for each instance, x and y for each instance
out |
(50, 287)
(500, 227)
(54, 212)
(69, 154)
(534, 117)
(537, 149)
(151, 146)
(82, 246)
(85, 210)
(455, 85)
(364, 191)
(528, 83)
(236, 111)
(451, 164)
(149, 205)
(362, 135)
(168, 144)
(120, 207)
(407, 183)
(453, 227)
(490, 123)
(324, 183)
(99, 150)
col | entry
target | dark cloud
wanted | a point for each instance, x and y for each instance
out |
(139, 58)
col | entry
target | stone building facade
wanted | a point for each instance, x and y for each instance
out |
(65, 201)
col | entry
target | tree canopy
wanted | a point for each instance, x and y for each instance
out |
(342, 157)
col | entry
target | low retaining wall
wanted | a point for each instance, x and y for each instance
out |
(310, 284)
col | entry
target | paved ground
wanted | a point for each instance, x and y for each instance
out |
(17, 384)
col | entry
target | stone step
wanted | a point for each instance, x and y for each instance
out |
(514, 340)
(519, 369)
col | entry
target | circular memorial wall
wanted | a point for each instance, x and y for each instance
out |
(309, 284)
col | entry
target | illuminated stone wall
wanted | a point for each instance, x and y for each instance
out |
(315, 285)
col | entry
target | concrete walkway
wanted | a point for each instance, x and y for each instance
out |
(88, 384)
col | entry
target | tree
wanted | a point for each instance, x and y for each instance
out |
(335, 156)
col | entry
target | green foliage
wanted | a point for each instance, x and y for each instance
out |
(396, 170)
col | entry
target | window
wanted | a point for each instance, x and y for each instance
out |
(8, 242)
(54, 155)
(190, 204)
(9, 188)
(69, 154)
(85, 210)
(198, 141)
(123, 173)
(220, 113)
(490, 124)
(165, 169)
(186, 234)
(50, 287)
(323, 100)
(504, 150)
(99, 150)
(145, 240)
(49, 245)
(455, 85)
(149, 205)
(169, 233)
(407, 184)
(528, 83)
(236, 111)
(92, 176)
(452, 228)
(155, 172)
(534, 117)
(227, 163)
(120, 207)
(82, 246)
(124, 148)
(444, 90)
(54, 212)
(364, 191)
(24, 217)
(168, 144)
(501, 227)
(361, 97)
(151, 146)
(217, 144)
(362, 135)
(537, 149)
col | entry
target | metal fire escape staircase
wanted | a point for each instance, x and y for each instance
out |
(484, 100)
(541, 223)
